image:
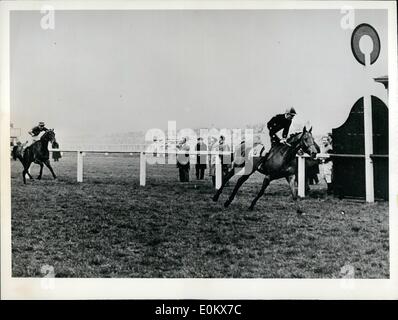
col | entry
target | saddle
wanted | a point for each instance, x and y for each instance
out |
(22, 148)
(258, 150)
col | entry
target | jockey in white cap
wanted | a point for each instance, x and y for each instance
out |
(279, 122)
(36, 133)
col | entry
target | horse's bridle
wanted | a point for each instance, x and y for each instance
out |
(301, 145)
(307, 148)
(51, 132)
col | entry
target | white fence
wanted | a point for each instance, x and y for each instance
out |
(301, 172)
(218, 168)
(143, 161)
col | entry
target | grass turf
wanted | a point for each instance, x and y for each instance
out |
(109, 226)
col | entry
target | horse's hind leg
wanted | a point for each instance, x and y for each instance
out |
(249, 168)
(266, 182)
(26, 172)
(240, 181)
(48, 165)
(227, 177)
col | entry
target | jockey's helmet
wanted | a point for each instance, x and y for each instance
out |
(41, 124)
(291, 111)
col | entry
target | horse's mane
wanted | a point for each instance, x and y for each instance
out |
(47, 132)
(293, 136)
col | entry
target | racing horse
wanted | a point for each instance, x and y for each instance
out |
(37, 153)
(279, 162)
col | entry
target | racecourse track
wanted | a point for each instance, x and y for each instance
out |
(109, 226)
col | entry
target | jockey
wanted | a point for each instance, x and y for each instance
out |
(279, 122)
(35, 133)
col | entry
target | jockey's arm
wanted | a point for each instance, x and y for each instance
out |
(286, 131)
(273, 133)
(34, 131)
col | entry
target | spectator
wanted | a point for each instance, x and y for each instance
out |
(183, 163)
(213, 146)
(201, 160)
(56, 154)
(221, 146)
(225, 159)
(312, 168)
(327, 163)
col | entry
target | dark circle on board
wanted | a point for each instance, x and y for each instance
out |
(360, 31)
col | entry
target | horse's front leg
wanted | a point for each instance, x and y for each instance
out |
(23, 176)
(41, 170)
(266, 182)
(227, 177)
(291, 180)
(29, 175)
(48, 165)
(248, 170)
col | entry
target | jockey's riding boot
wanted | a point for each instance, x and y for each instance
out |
(22, 150)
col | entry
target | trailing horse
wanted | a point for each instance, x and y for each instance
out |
(280, 162)
(37, 153)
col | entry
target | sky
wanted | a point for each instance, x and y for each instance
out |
(102, 72)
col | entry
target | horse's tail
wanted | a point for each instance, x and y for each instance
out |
(14, 152)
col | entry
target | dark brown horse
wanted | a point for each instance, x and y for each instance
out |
(280, 162)
(37, 153)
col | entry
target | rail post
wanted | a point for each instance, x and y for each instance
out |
(142, 169)
(301, 176)
(369, 173)
(79, 166)
(218, 172)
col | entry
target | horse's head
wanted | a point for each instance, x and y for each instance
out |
(307, 143)
(49, 136)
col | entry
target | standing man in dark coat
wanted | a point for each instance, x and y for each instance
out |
(201, 160)
(279, 122)
(225, 159)
(183, 163)
(56, 154)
